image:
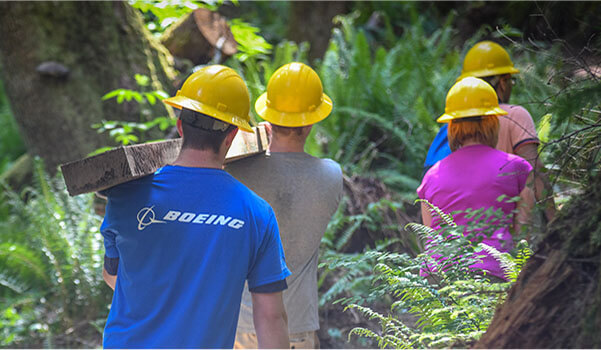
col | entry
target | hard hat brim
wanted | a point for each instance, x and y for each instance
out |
(180, 102)
(291, 119)
(489, 72)
(472, 112)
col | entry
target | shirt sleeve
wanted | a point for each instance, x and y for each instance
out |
(111, 265)
(421, 190)
(109, 233)
(523, 170)
(522, 129)
(270, 263)
(273, 287)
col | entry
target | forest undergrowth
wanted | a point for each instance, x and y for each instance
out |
(387, 90)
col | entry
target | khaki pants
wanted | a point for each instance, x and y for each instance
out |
(304, 340)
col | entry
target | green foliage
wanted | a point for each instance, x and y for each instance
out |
(160, 14)
(385, 100)
(250, 43)
(562, 93)
(11, 144)
(126, 133)
(50, 265)
(271, 16)
(433, 303)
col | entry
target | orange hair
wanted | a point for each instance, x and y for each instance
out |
(484, 130)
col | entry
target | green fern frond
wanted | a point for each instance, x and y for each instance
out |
(447, 218)
(505, 260)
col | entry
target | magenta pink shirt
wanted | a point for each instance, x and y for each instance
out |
(474, 177)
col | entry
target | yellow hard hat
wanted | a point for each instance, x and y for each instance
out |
(294, 97)
(486, 58)
(470, 97)
(217, 91)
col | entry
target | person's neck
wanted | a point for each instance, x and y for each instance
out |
(470, 142)
(194, 158)
(278, 144)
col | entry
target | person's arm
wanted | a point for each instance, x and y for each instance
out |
(426, 214)
(524, 208)
(541, 186)
(109, 279)
(109, 271)
(271, 322)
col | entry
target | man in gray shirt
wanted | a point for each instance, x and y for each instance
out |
(303, 190)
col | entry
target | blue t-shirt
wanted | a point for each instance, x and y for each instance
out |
(439, 149)
(186, 239)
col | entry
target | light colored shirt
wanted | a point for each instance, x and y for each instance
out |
(515, 128)
(304, 192)
(474, 177)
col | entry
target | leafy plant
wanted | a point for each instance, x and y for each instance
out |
(250, 43)
(50, 267)
(11, 144)
(385, 100)
(125, 132)
(434, 302)
(160, 14)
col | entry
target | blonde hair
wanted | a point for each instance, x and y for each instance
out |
(484, 130)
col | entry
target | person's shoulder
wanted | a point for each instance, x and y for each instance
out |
(330, 165)
(246, 161)
(127, 187)
(435, 169)
(518, 161)
(516, 111)
(248, 196)
(514, 161)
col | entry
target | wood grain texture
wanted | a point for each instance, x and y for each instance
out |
(126, 163)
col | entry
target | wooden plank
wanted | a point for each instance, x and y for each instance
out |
(126, 163)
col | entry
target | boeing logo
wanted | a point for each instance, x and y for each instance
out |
(146, 216)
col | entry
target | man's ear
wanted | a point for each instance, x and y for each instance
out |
(230, 138)
(179, 127)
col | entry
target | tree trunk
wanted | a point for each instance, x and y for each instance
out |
(198, 36)
(60, 58)
(311, 21)
(556, 302)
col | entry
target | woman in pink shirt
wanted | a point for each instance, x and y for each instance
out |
(475, 175)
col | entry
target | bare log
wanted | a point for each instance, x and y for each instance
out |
(127, 163)
(199, 37)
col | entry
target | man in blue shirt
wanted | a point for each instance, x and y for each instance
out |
(181, 243)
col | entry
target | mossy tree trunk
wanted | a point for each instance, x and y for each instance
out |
(102, 45)
(556, 302)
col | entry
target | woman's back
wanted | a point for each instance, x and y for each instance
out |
(474, 177)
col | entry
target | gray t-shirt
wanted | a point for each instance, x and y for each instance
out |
(304, 192)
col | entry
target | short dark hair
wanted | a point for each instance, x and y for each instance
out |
(197, 137)
(492, 80)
